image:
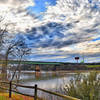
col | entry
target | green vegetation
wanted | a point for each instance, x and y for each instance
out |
(84, 87)
(29, 62)
(93, 66)
(3, 98)
(69, 67)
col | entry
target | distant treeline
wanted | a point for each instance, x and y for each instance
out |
(64, 66)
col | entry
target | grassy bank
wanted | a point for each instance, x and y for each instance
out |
(5, 96)
(93, 66)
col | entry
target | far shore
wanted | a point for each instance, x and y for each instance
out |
(60, 71)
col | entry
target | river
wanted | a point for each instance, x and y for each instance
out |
(48, 80)
(52, 81)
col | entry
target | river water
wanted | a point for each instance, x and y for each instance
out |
(52, 81)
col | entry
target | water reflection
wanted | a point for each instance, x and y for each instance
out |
(46, 80)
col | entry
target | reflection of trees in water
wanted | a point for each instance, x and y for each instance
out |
(40, 76)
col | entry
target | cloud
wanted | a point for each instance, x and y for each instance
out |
(69, 27)
(91, 47)
(16, 3)
(66, 28)
(14, 13)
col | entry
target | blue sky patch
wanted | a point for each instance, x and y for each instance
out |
(41, 6)
(96, 39)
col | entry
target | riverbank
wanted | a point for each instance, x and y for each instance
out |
(63, 67)
(5, 96)
(60, 71)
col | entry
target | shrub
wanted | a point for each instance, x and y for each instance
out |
(84, 87)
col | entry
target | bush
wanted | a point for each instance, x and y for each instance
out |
(84, 87)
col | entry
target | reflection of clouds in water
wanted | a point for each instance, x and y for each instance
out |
(49, 84)
(52, 84)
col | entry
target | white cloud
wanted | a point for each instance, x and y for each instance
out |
(16, 3)
(89, 47)
(80, 18)
(14, 13)
(84, 18)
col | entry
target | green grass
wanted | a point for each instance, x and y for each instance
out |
(93, 66)
(3, 98)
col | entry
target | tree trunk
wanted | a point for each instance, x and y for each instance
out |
(4, 68)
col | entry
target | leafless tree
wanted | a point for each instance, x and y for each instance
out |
(2, 35)
(15, 48)
(20, 51)
(9, 50)
(2, 31)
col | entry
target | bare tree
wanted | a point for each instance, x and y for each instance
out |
(4, 31)
(2, 35)
(21, 52)
(9, 49)
(17, 50)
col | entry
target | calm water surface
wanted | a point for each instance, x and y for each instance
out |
(52, 81)
(46, 80)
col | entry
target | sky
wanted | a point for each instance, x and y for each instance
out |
(55, 30)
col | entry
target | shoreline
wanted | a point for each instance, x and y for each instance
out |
(60, 71)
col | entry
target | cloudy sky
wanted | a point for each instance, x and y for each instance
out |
(56, 30)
